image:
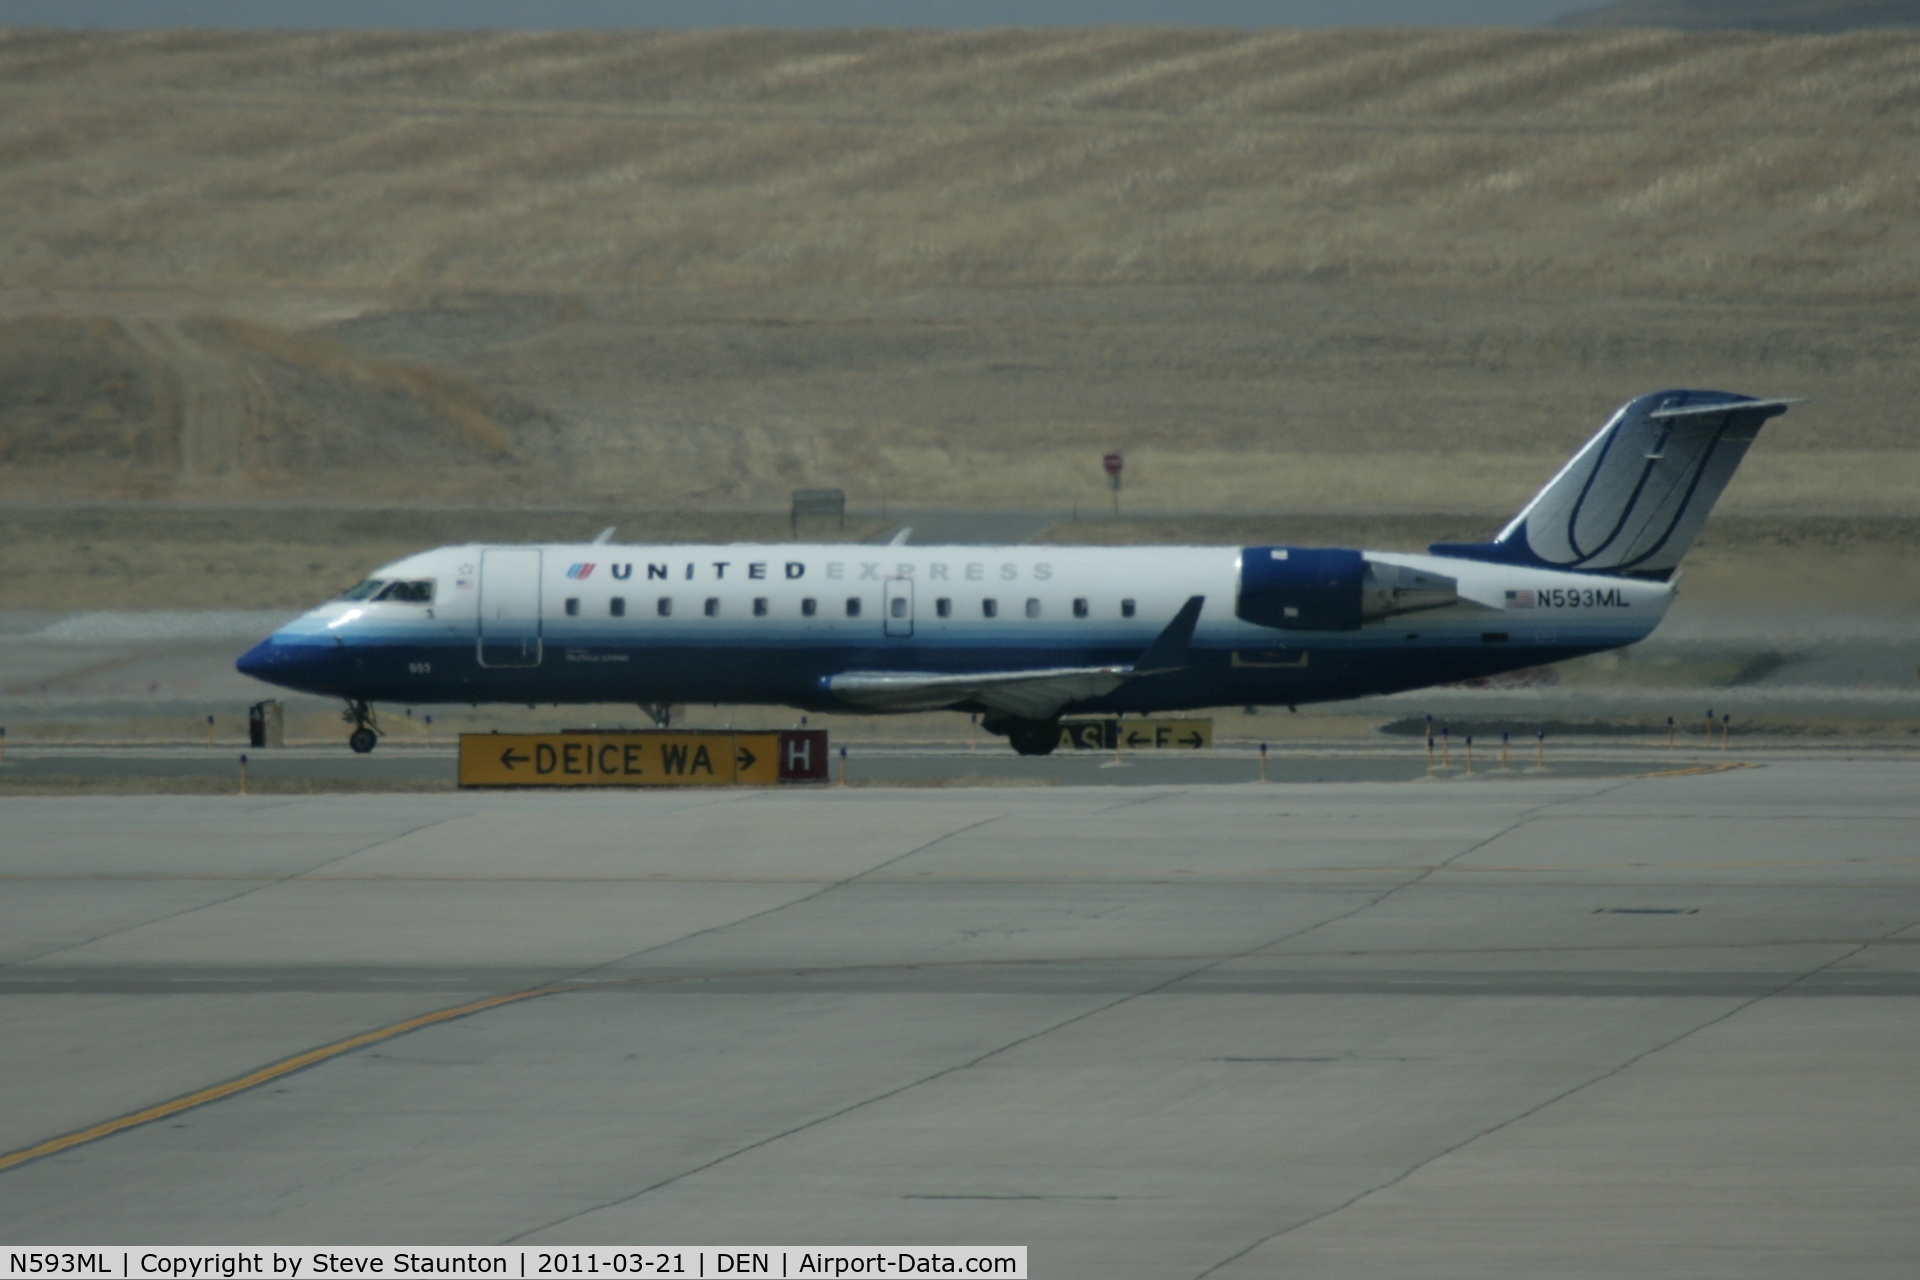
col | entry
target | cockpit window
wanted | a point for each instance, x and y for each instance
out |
(362, 591)
(420, 592)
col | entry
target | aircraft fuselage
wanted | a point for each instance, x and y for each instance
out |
(775, 624)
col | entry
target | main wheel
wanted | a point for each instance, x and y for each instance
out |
(363, 740)
(1034, 737)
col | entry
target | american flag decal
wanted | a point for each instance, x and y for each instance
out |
(1520, 600)
(579, 570)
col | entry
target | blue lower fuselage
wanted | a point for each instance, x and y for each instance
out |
(401, 670)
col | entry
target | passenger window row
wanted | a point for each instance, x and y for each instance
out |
(809, 607)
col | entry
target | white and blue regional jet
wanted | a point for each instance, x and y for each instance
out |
(1023, 635)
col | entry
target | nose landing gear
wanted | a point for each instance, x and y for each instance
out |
(366, 731)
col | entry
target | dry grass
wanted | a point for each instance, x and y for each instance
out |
(1334, 271)
(230, 408)
(1307, 398)
(440, 394)
(1617, 161)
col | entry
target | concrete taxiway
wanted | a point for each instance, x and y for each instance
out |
(1555, 1026)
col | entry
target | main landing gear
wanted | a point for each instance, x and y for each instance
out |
(366, 734)
(1028, 737)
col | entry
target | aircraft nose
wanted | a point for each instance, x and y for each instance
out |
(259, 661)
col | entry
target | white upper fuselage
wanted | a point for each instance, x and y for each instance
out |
(1031, 590)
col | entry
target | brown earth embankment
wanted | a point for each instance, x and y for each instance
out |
(1318, 273)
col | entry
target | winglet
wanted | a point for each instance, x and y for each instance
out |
(1168, 652)
(606, 536)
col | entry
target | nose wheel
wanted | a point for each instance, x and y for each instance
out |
(366, 734)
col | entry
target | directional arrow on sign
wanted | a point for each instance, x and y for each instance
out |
(510, 759)
(746, 758)
(1135, 738)
(1193, 740)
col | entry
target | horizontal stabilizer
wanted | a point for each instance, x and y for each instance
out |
(1721, 410)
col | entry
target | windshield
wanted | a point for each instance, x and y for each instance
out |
(363, 590)
(420, 592)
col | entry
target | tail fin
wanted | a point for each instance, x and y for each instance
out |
(1633, 500)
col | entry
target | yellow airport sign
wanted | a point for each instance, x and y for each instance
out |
(641, 758)
(756, 759)
(1136, 735)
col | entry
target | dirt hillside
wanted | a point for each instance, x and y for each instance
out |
(1622, 162)
(224, 408)
(1330, 271)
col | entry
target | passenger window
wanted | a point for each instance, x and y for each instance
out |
(1126, 608)
(989, 608)
(809, 607)
(665, 607)
(898, 607)
(1033, 607)
(573, 606)
(943, 607)
(1080, 607)
(617, 606)
(759, 606)
(713, 606)
(853, 606)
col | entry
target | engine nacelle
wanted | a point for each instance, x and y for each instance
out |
(1332, 589)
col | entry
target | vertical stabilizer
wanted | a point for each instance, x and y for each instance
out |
(1633, 500)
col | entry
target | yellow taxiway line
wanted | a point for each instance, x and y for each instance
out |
(272, 1071)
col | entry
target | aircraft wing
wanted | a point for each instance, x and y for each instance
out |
(1029, 695)
(1037, 694)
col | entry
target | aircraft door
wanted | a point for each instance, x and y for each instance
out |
(897, 607)
(510, 607)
